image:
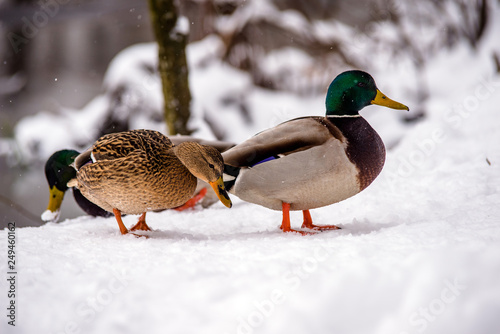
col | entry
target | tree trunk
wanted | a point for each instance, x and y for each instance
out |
(172, 64)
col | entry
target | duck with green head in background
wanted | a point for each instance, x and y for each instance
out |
(311, 162)
(59, 172)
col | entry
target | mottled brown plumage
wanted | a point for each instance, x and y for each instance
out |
(137, 171)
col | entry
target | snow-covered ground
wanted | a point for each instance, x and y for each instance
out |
(418, 253)
(419, 250)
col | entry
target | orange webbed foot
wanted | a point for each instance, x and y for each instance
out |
(192, 202)
(285, 225)
(297, 231)
(309, 224)
(141, 224)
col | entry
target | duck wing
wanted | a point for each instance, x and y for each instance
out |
(124, 170)
(121, 144)
(286, 138)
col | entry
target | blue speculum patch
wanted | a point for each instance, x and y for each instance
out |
(266, 159)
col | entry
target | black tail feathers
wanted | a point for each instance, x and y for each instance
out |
(230, 175)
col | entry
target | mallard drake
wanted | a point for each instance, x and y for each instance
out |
(137, 171)
(58, 173)
(311, 162)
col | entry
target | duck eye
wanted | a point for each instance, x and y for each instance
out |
(361, 84)
(210, 165)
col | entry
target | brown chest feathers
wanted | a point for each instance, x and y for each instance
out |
(365, 148)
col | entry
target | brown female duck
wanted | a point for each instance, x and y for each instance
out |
(137, 171)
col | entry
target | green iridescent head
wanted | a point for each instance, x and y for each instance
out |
(58, 170)
(58, 173)
(351, 91)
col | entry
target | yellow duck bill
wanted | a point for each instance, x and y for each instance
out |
(382, 100)
(220, 191)
(53, 209)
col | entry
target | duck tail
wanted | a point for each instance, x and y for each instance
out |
(230, 175)
(83, 159)
(72, 183)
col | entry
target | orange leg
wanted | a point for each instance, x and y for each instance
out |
(192, 202)
(308, 223)
(141, 224)
(118, 216)
(285, 225)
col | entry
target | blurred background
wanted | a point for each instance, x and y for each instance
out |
(65, 78)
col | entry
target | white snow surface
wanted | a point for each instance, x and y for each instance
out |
(418, 252)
